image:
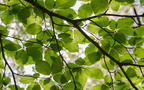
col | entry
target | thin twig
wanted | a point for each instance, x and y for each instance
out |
(7, 62)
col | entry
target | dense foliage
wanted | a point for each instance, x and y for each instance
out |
(45, 29)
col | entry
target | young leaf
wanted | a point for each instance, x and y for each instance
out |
(6, 17)
(99, 6)
(94, 72)
(139, 31)
(85, 11)
(42, 67)
(27, 80)
(139, 52)
(100, 87)
(3, 30)
(33, 29)
(65, 3)
(78, 37)
(115, 5)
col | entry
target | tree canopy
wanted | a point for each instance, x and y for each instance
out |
(44, 33)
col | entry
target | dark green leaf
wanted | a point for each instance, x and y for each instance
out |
(35, 53)
(57, 66)
(120, 37)
(23, 13)
(36, 75)
(12, 46)
(80, 61)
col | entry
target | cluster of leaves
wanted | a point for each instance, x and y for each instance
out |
(55, 27)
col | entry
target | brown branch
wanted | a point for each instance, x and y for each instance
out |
(7, 62)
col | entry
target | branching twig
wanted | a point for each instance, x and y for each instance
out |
(7, 62)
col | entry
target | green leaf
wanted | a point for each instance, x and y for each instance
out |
(30, 86)
(46, 86)
(105, 45)
(23, 13)
(42, 67)
(110, 64)
(35, 53)
(127, 31)
(139, 31)
(78, 37)
(120, 37)
(36, 87)
(91, 48)
(112, 24)
(93, 28)
(80, 61)
(100, 21)
(71, 46)
(65, 3)
(99, 6)
(114, 5)
(92, 58)
(63, 35)
(12, 46)
(1, 65)
(69, 13)
(49, 3)
(33, 29)
(100, 87)
(124, 23)
(3, 7)
(85, 11)
(131, 72)
(132, 41)
(125, 2)
(3, 30)
(27, 80)
(81, 77)
(6, 81)
(36, 75)
(6, 17)
(16, 8)
(21, 57)
(57, 66)
(12, 2)
(120, 86)
(142, 2)
(114, 54)
(139, 52)
(94, 72)
(120, 49)
(12, 87)
(108, 80)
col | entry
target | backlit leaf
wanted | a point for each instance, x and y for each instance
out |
(42, 67)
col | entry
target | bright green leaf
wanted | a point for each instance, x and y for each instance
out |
(124, 23)
(99, 6)
(42, 67)
(65, 3)
(36, 75)
(33, 29)
(6, 17)
(139, 31)
(85, 11)
(27, 80)
(94, 72)
(49, 3)
(139, 52)
(100, 87)
(115, 5)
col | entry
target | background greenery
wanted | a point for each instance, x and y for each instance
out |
(50, 35)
